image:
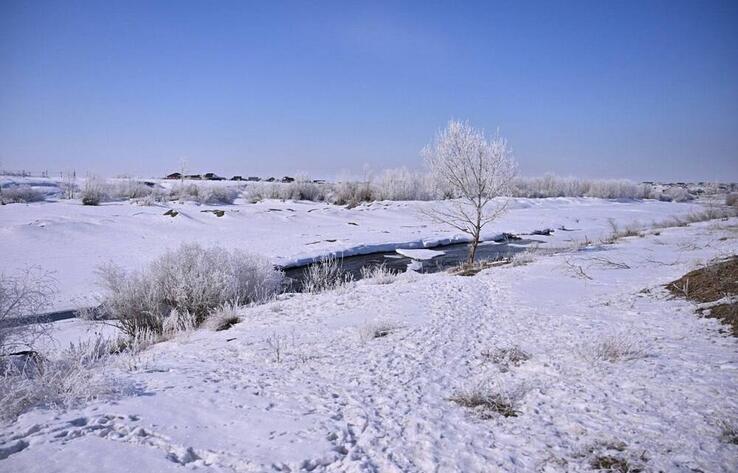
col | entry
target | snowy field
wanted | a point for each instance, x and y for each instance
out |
(71, 240)
(589, 356)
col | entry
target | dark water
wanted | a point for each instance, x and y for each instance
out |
(454, 255)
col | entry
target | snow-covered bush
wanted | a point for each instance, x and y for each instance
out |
(28, 293)
(402, 184)
(185, 192)
(374, 330)
(676, 194)
(732, 199)
(21, 194)
(325, 275)
(521, 258)
(378, 274)
(76, 376)
(352, 193)
(217, 194)
(555, 186)
(223, 318)
(94, 191)
(303, 188)
(191, 280)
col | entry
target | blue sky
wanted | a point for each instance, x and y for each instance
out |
(643, 90)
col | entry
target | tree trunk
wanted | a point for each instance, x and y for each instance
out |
(473, 250)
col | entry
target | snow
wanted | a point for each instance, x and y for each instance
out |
(71, 240)
(419, 254)
(335, 400)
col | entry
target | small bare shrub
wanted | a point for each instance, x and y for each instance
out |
(277, 344)
(731, 199)
(325, 275)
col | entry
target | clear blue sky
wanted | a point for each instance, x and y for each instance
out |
(643, 89)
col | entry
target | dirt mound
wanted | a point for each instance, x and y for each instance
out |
(714, 288)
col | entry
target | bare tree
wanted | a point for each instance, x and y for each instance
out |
(474, 171)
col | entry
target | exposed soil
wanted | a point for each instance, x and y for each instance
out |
(718, 280)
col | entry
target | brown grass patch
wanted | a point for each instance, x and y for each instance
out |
(711, 283)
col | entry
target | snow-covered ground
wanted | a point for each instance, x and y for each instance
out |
(301, 384)
(71, 240)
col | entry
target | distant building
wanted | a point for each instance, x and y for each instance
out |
(211, 176)
(271, 179)
(253, 179)
(288, 179)
(174, 175)
(196, 177)
(237, 178)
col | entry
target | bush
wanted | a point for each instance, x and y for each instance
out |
(21, 194)
(379, 274)
(676, 194)
(94, 192)
(554, 186)
(217, 195)
(191, 281)
(27, 294)
(75, 377)
(732, 199)
(324, 275)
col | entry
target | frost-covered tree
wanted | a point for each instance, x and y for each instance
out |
(475, 171)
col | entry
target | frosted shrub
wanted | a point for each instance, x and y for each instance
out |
(352, 192)
(78, 375)
(223, 318)
(676, 194)
(402, 184)
(28, 293)
(185, 192)
(522, 258)
(303, 188)
(324, 276)
(379, 274)
(94, 191)
(217, 195)
(191, 280)
(20, 195)
(555, 186)
(129, 189)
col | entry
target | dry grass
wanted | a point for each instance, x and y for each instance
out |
(716, 281)
(485, 403)
(504, 357)
(615, 348)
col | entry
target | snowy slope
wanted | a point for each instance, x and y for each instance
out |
(299, 386)
(71, 240)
